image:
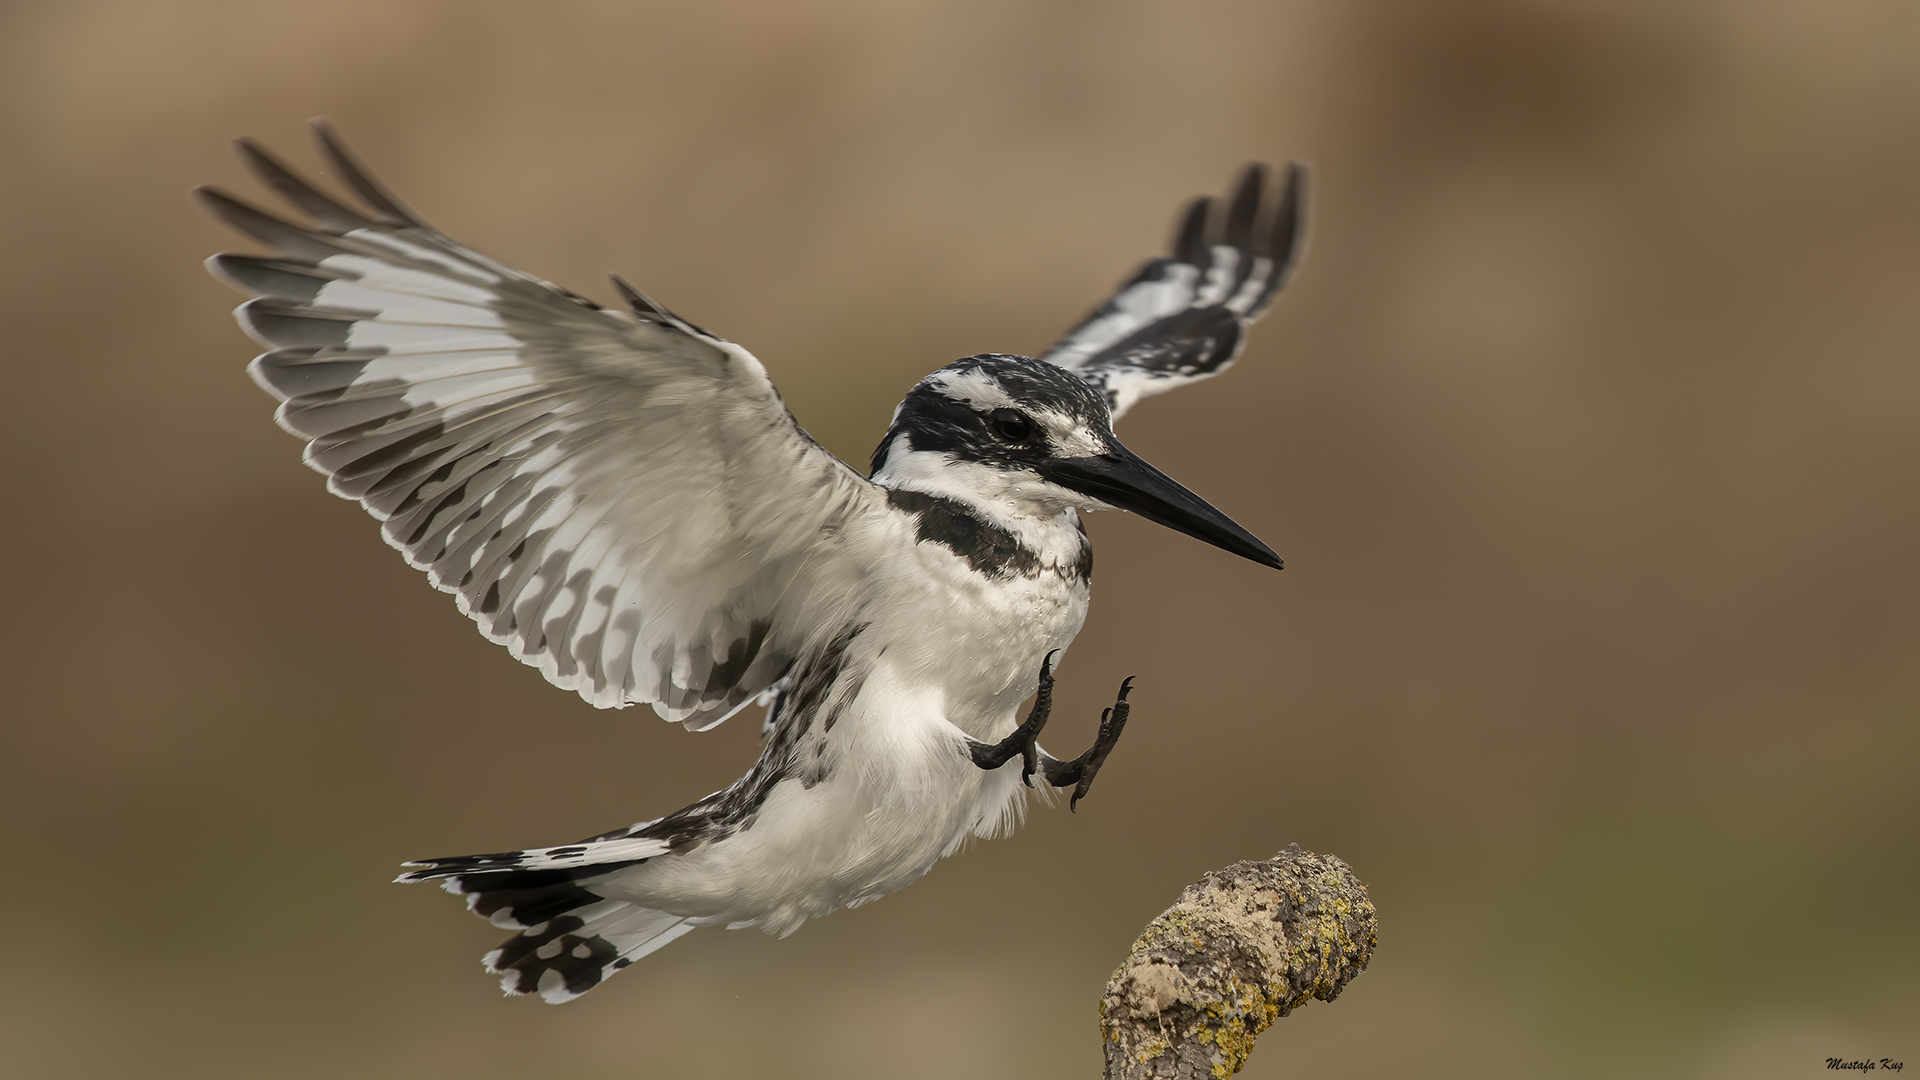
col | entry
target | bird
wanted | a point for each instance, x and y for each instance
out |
(621, 498)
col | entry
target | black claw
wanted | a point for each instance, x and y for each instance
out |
(1025, 739)
(1079, 772)
(1112, 722)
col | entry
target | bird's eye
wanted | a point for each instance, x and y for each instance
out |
(1010, 424)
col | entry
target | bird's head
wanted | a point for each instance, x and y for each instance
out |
(1027, 437)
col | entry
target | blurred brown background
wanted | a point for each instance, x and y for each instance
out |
(1588, 431)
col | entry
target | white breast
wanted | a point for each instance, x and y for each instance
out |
(949, 655)
(980, 639)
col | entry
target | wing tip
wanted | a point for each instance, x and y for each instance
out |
(642, 305)
(1244, 205)
(392, 212)
(1190, 235)
(1284, 238)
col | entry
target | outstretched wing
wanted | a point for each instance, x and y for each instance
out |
(1184, 316)
(621, 500)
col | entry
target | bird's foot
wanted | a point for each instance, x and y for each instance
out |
(1081, 770)
(1025, 739)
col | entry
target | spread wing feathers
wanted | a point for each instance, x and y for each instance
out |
(1184, 316)
(621, 500)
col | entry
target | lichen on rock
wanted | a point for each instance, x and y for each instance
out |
(1241, 948)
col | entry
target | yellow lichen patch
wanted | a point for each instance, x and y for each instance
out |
(1239, 950)
(1153, 1050)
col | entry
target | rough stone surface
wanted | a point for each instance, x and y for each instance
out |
(1241, 948)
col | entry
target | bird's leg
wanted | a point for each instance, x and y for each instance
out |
(1025, 739)
(1081, 770)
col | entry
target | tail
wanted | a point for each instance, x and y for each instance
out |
(571, 938)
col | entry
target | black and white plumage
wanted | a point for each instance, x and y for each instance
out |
(623, 501)
(1184, 316)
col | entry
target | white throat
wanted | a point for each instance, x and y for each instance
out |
(1019, 501)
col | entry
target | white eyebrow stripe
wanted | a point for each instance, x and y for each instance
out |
(1067, 436)
(973, 386)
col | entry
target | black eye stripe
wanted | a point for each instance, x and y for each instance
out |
(1010, 424)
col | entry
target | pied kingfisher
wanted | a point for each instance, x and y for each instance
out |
(624, 502)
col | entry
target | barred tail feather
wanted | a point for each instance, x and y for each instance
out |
(571, 938)
(571, 954)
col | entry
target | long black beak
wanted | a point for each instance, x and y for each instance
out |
(1120, 479)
